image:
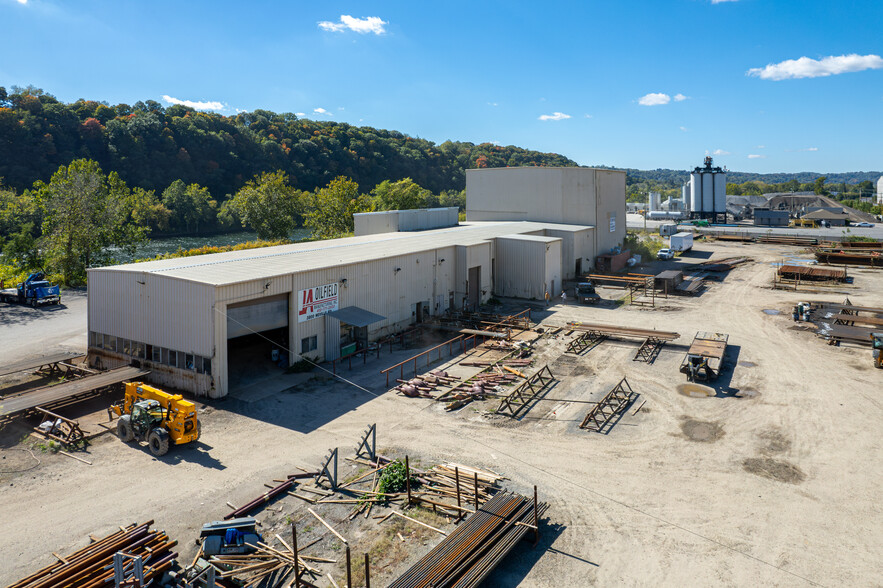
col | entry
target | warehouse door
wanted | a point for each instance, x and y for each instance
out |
(257, 340)
(473, 294)
(255, 316)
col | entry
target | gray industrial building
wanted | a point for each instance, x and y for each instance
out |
(196, 322)
(764, 217)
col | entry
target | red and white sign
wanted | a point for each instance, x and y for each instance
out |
(316, 302)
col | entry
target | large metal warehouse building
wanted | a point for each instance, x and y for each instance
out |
(196, 322)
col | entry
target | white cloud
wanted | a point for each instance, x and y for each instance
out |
(720, 152)
(588, 116)
(680, 97)
(815, 68)
(799, 150)
(654, 99)
(208, 105)
(756, 156)
(810, 149)
(685, 129)
(492, 104)
(554, 116)
(321, 110)
(22, 1)
(370, 24)
(300, 114)
(722, 1)
(761, 147)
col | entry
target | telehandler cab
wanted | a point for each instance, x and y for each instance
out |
(159, 418)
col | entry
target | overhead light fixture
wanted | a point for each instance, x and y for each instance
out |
(397, 270)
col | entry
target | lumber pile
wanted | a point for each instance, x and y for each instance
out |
(435, 487)
(92, 566)
(267, 564)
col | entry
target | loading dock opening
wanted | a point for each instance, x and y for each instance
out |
(257, 338)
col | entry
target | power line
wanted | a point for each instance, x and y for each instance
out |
(456, 432)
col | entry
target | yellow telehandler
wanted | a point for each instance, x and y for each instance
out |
(149, 414)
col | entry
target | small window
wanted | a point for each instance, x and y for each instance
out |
(155, 354)
(110, 343)
(189, 364)
(94, 339)
(165, 356)
(137, 350)
(308, 344)
(207, 365)
(173, 358)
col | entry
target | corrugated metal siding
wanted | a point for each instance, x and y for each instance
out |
(521, 266)
(332, 338)
(553, 268)
(152, 309)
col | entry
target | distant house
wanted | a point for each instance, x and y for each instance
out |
(833, 216)
(764, 217)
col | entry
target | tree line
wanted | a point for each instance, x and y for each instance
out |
(150, 146)
(81, 216)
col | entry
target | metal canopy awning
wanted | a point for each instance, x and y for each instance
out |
(355, 316)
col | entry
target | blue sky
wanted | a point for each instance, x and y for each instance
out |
(761, 85)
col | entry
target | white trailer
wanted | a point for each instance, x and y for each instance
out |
(681, 241)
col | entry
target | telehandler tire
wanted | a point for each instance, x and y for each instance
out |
(124, 429)
(158, 441)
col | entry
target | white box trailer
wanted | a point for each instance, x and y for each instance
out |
(668, 230)
(681, 242)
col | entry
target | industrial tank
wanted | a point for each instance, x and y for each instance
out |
(654, 200)
(708, 191)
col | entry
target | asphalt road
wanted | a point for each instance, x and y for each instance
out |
(636, 221)
(32, 333)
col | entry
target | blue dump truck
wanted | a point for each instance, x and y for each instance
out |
(35, 291)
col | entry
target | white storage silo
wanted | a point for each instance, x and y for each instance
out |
(720, 192)
(695, 192)
(654, 200)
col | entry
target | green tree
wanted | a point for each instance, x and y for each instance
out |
(267, 205)
(330, 209)
(819, 186)
(190, 206)
(148, 211)
(401, 195)
(84, 214)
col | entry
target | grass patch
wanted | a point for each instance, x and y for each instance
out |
(206, 249)
(386, 551)
(643, 243)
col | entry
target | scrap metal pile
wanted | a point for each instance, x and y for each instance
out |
(93, 566)
(469, 554)
(268, 564)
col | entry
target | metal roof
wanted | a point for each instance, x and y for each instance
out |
(256, 264)
(355, 316)
(537, 238)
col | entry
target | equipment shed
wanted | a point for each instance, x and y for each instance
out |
(529, 266)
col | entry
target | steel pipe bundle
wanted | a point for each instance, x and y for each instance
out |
(92, 566)
(466, 556)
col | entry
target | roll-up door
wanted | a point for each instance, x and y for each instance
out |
(259, 315)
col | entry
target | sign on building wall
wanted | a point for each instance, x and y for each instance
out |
(613, 222)
(316, 302)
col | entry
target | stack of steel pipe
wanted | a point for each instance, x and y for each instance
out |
(92, 566)
(466, 556)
